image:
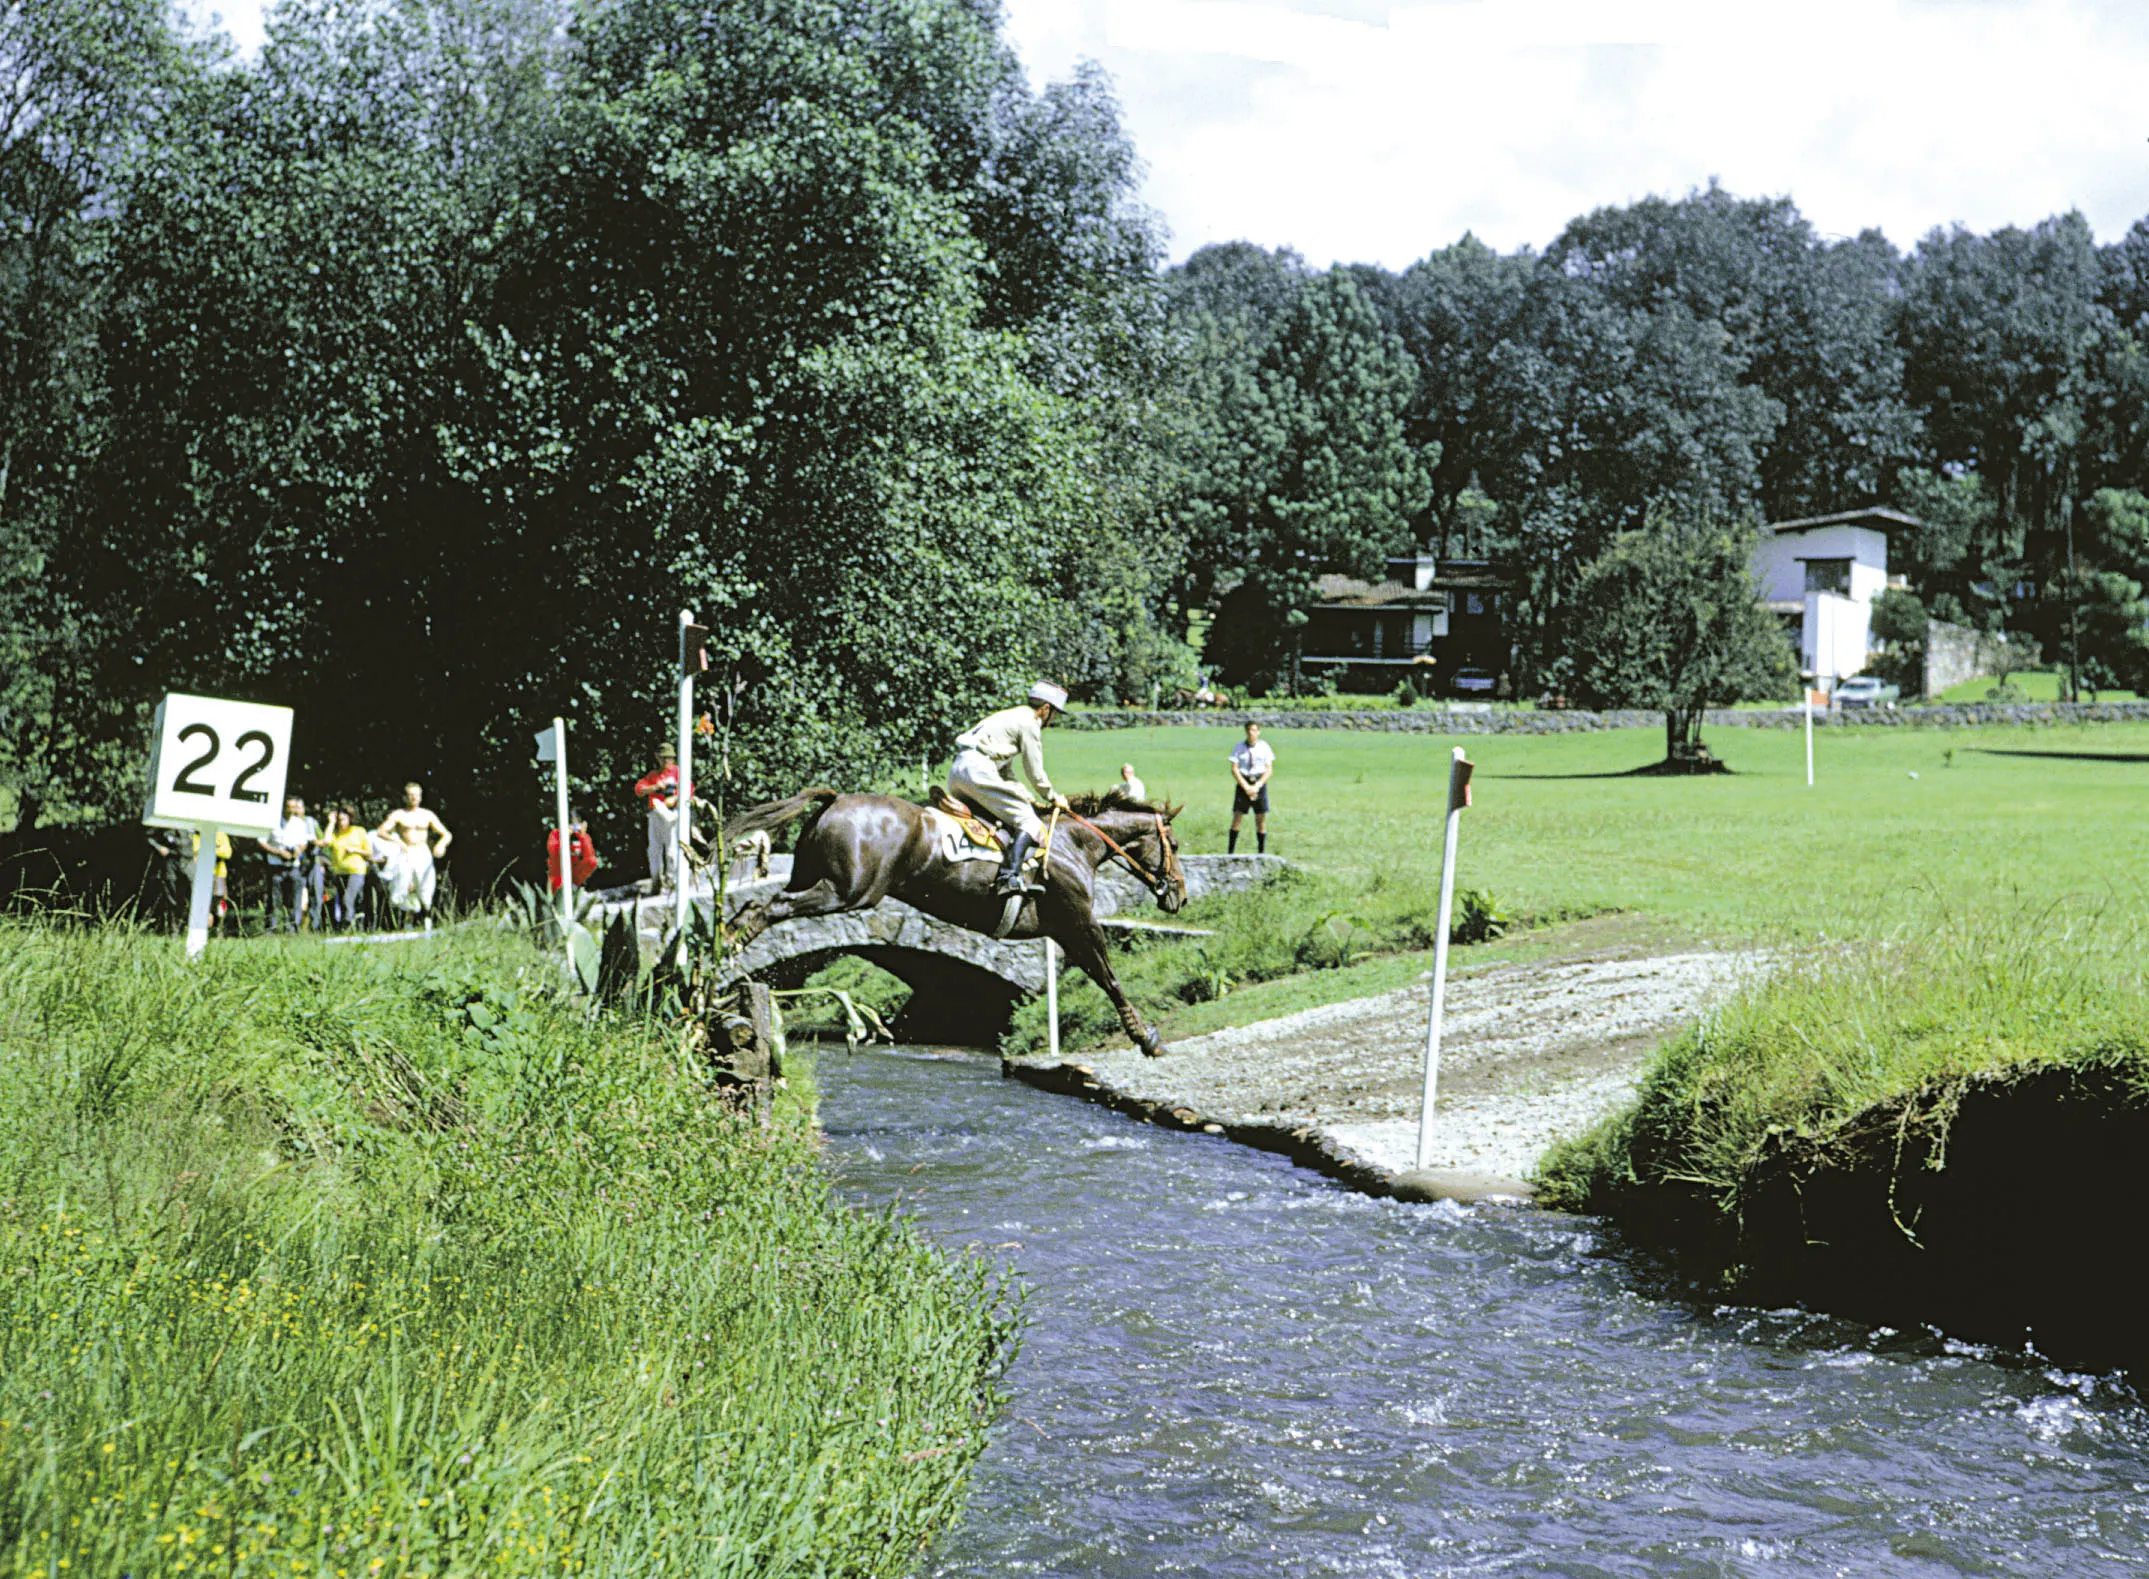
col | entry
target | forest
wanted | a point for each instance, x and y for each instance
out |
(415, 374)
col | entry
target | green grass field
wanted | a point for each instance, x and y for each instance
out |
(394, 1261)
(2037, 685)
(1901, 824)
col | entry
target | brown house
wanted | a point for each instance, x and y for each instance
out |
(1425, 621)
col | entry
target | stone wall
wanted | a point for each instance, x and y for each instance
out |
(1955, 653)
(1507, 721)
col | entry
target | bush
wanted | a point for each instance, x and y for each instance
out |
(1406, 694)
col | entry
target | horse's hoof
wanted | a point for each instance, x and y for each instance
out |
(1152, 1045)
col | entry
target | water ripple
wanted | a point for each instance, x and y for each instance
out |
(1235, 1368)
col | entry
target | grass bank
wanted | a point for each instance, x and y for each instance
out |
(353, 1261)
(1939, 1131)
(1808, 1055)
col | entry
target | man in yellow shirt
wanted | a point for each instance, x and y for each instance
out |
(350, 857)
(978, 774)
(223, 867)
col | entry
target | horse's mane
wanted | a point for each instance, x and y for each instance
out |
(1091, 804)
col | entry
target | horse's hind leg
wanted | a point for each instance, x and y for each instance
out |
(821, 899)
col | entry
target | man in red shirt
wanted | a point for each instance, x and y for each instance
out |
(660, 792)
(582, 857)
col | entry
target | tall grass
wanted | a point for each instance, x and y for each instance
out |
(354, 1262)
(1830, 1035)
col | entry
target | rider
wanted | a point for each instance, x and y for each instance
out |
(978, 774)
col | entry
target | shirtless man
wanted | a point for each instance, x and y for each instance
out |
(413, 848)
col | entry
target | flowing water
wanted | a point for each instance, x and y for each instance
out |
(1237, 1368)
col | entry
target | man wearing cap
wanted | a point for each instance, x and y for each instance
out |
(659, 792)
(979, 773)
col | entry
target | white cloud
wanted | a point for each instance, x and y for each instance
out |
(1378, 130)
(1370, 132)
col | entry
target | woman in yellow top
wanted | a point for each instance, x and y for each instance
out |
(350, 856)
(223, 867)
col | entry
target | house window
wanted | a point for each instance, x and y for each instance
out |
(1829, 575)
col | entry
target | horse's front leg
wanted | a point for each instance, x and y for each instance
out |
(1085, 944)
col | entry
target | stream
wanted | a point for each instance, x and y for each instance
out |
(1234, 1367)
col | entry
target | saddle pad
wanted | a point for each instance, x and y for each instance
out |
(961, 839)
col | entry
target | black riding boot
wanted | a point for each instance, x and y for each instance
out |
(1010, 879)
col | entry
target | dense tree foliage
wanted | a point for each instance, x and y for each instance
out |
(418, 372)
(448, 350)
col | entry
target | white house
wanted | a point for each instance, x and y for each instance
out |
(1826, 571)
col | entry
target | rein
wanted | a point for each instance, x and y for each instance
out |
(1155, 884)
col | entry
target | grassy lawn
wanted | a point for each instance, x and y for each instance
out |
(1905, 832)
(1900, 825)
(2038, 685)
(388, 1260)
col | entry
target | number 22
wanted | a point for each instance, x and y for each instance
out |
(187, 784)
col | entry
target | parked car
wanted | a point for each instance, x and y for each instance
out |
(1865, 690)
(1473, 682)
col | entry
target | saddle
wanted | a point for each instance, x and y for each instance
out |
(977, 831)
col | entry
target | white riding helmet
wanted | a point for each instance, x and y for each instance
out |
(1046, 691)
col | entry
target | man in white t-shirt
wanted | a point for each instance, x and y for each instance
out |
(290, 852)
(1251, 765)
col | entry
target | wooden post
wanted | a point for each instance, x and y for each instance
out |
(1458, 797)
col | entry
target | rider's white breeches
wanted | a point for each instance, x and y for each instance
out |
(976, 777)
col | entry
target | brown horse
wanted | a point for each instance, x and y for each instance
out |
(856, 850)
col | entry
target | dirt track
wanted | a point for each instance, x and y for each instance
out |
(1530, 1053)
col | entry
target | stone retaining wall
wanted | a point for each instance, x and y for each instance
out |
(1508, 721)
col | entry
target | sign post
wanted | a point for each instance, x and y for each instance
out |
(552, 747)
(1459, 772)
(1806, 686)
(1052, 998)
(692, 658)
(215, 765)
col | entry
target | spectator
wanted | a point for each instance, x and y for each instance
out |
(1130, 788)
(582, 857)
(417, 839)
(290, 851)
(171, 875)
(660, 791)
(222, 890)
(350, 856)
(1251, 765)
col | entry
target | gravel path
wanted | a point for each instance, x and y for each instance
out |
(1530, 1053)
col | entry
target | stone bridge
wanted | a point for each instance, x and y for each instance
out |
(963, 984)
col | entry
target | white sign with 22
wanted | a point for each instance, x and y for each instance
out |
(216, 763)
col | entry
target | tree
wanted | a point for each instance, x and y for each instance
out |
(1312, 474)
(1899, 626)
(1667, 619)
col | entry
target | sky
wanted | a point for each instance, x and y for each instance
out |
(1376, 131)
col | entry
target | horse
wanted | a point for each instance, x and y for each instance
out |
(856, 850)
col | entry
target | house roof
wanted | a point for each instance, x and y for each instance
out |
(1878, 517)
(1350, 592)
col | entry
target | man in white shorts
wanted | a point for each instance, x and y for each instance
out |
(416, 840)
(978, 774)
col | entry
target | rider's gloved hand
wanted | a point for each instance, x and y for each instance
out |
(1060, 801)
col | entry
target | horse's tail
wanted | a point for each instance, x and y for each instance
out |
(771, 815)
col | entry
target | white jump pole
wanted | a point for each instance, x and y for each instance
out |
(567, 860)
(204, 892)
(1808, 689)
(682, 896)
(1052, 997)
(1458, 797)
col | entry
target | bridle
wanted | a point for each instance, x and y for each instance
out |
(1158, 887)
